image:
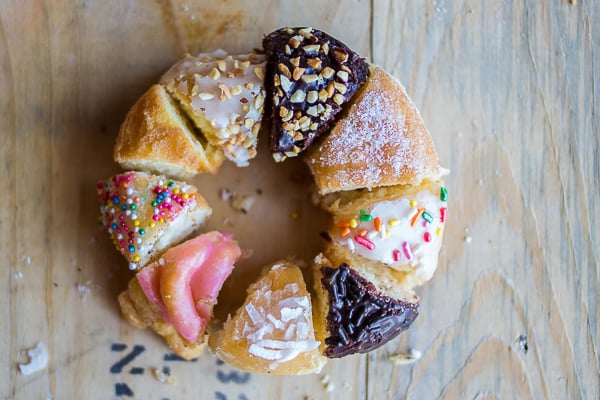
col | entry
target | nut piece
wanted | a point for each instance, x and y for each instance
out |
(298, 96)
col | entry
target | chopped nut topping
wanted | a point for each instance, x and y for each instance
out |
(312, 48)
(288, 51)
(341, 54)
(225, 92)
(259, 72)
(285, 83)
(222, 65)
(314, 63)
(287, 116)
(214, 74)
(312, 96)
(330, 89)
(323, 95)
(312, 110)
(298, 96)
(298, 136)
(295, 61)
(338, 98)
(259, 101)
(343, 75)
(327, 72)
(294, 42)
(284, 70)
(249, 85)
(340, 87)
(236, 90)
(325, 48)
(298, 73)
(306, 32)
(310, 78)
(248, 122)
(206, 96)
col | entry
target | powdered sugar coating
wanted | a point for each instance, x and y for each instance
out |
(381, 141)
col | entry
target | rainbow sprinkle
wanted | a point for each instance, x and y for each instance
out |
(123, 205)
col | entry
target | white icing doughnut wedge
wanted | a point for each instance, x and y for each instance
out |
(272, 333)
(398, 227)
(224, 95)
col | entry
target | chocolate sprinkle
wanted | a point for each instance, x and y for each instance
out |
(361, 318)
(310, 76)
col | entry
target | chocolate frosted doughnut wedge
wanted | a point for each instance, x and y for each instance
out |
(310, 76)
(355, 315)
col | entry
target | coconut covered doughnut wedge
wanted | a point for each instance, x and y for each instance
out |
(146, 214)
(175, 294)
(272, 333)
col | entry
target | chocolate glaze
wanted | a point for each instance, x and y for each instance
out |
(361, 318)
(307, 52)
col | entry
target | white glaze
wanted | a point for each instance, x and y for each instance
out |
(396, 230)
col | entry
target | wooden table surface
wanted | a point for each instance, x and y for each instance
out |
(509, 91)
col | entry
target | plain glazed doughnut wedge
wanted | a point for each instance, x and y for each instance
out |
(157, 137)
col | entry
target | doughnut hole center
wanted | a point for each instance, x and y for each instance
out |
(282, 221)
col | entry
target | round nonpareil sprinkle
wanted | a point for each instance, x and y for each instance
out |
(125, 201)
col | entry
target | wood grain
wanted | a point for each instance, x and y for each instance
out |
(509, 91)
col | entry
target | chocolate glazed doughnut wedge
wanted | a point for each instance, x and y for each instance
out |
(310, 76)
(357, 312)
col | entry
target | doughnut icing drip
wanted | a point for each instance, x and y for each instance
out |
(224, 96)
(310, 76)
(404, 231)
(360, 318)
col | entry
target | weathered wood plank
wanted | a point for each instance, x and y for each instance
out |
(508, 91)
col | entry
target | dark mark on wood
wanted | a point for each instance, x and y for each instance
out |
(121, 389)
(233, 376)
(118, 366)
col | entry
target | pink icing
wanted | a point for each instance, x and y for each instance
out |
(185, 282)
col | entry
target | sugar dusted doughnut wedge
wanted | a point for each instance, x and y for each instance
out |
(224, 95)
(157, 137)
(146, 214)
(380, 141)
(175, 294)
(310, 76)
(272, 333)
(358, 311)
(398, 227)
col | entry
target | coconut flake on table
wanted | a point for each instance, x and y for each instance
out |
(38, 360)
